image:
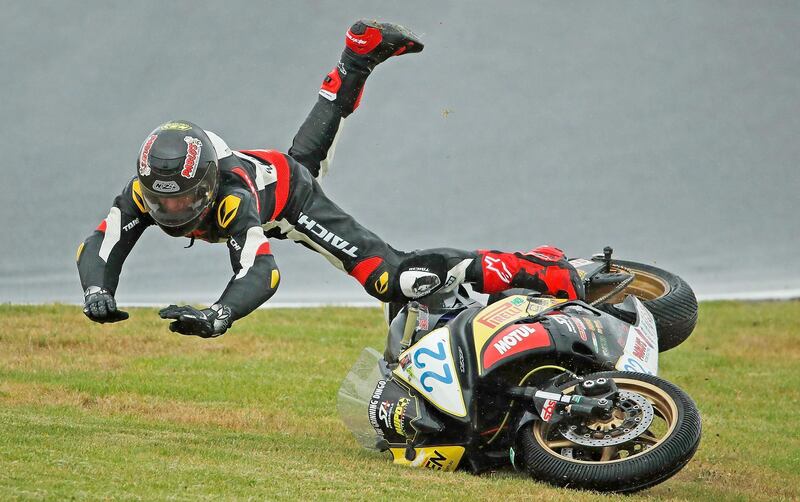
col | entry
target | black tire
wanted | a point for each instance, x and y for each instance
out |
(640, 471)
(674, 309)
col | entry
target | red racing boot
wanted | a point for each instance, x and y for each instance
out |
(544, 269)
(367, 44)
(370, 43)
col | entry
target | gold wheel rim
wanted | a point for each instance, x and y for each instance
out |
(645, 286)
(663, 406)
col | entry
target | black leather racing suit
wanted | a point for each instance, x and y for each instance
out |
(268, 194)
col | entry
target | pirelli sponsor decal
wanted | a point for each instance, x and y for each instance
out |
(504, 311)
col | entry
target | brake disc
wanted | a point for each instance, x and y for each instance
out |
(632, 416)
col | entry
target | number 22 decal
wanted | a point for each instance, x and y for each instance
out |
(439, 355)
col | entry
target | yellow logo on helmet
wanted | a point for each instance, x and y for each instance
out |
(227, 210)
(276, 276)
(80, 252)
(382, 284)
(136, 195)
(175, 126)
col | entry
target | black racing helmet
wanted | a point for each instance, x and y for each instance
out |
(178, 172)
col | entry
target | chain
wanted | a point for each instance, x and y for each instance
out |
(620, 287)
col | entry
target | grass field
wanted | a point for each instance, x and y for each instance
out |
(132, 411)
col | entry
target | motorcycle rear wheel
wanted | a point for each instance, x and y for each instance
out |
(653, 456)
(668, 297)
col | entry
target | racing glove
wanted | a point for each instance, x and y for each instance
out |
(207, 323)
(99, 306)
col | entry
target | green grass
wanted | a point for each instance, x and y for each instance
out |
(132, 411)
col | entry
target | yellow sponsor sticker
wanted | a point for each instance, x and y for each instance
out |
(80, 250)
(382, 284)
(136, 195)
(437, 458)
(493, 318)
(176, 126)
(276, 276)
(227, 210)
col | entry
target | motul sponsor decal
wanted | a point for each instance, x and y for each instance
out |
(144, 158)
(513, 340)
(193, 148)
(548, 409)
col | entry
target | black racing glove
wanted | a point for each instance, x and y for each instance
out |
(99, 306)
(206, 323)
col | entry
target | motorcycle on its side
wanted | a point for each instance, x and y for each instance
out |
(565, 390)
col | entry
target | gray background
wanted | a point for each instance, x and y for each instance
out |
(667, 129)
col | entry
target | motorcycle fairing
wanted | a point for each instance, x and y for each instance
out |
(641, 347)
(393, 411)
(439, 458)
(586, 268)
(513, 340)
(428, 367)
(493, 319)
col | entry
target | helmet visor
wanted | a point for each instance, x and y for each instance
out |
(174, 210)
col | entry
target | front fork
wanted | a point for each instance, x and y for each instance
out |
(593, 399)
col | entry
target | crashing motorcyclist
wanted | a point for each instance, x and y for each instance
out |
(191, 184)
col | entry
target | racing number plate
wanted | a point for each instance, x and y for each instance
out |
(428, 367)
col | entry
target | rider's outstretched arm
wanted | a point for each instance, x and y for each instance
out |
(367, 43)
(101, 255)
(255, 275)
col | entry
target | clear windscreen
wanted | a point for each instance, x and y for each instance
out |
(355, 394)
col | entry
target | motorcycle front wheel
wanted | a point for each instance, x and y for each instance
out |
(653, 431)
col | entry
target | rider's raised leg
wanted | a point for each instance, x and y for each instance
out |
(367, 44)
